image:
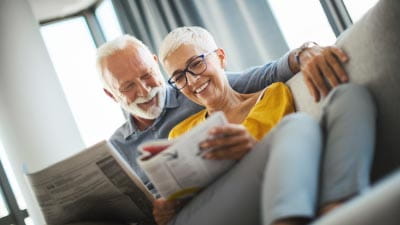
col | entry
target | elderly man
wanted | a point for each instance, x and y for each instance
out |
(132, 77)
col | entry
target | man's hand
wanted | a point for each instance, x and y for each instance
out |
(320, 64)
(164, 210)
(230, 141)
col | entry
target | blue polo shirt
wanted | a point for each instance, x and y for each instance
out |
(177, 108)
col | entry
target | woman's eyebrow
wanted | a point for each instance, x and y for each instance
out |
(176, 72)
(189, 60)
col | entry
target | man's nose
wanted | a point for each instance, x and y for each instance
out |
(143, 89)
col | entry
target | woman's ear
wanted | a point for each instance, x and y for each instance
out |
(222, 57)
(109, 94)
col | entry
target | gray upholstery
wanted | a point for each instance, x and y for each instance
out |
(373, 45)
(380, 206)
(95, 223)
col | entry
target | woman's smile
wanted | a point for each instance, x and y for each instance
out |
(202, 87)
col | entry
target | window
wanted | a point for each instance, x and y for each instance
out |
(3, 206)
(11, 178)
(108, 20)
(29, 221)
(358, 8)
(73, 54)
(297, 28)
(15, 198)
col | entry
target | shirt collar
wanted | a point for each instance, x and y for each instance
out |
(171, 101)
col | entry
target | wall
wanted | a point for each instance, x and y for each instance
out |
(36, 125)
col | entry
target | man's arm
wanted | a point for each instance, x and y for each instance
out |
(257, 78)
(322, 68)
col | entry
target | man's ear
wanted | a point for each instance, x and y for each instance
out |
(222, 57)
(109, 94)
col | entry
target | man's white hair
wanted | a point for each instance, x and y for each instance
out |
(118, 44)
(196, 36)
(110, 48)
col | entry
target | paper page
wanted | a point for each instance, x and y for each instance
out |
(180, 169)
(90, 186)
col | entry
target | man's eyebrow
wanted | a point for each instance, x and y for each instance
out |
(127, 82)
(146, 73)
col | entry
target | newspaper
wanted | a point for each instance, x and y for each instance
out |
(176, 167)
(93, 185)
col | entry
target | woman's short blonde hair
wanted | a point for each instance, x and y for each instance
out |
(196, 36)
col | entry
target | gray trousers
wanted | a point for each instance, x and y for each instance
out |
(298, 166)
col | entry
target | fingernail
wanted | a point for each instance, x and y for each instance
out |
(203, 145)
(207, 156)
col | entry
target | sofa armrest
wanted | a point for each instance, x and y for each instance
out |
(373, 46)
(303, 100)
(380, 205)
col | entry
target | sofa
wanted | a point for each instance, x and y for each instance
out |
(373, 45)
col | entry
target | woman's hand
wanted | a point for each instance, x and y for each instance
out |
(164, 210)
(230, 141)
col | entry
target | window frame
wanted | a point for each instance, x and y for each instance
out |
(337, 14)
(16, 215)
(91, 21)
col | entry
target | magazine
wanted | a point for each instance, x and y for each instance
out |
(96, 184)
(176, 167)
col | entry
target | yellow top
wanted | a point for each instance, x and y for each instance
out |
(274, 104)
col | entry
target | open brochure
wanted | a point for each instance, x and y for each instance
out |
(96, 184)
(176, 167)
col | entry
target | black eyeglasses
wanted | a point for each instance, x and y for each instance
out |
(195, 67)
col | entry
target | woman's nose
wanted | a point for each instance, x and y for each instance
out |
(191, 79)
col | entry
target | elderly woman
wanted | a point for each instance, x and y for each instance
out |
(281, 177)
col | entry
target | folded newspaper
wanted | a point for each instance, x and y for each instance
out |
(96, 184)
(176, 167)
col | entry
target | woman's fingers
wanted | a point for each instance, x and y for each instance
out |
(221, 141)
(230, 141)
(234, 152)
(225, 135)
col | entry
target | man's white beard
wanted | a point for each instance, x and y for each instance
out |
(154, 111)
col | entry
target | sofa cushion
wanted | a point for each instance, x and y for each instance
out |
(373, 45)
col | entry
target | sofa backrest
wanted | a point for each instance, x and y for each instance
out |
(373, 45)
